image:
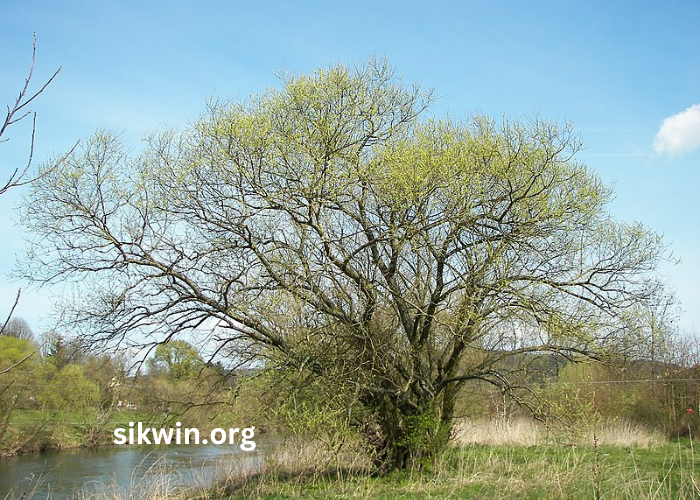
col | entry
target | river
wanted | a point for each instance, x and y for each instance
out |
(132, 470)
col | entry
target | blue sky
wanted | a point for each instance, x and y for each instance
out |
(626, 73)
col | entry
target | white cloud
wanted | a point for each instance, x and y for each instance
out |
(679, 133)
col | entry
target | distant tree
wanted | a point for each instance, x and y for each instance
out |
(108, 372)
(332, 233)
(18, 328)
(70, 389)
(177, 359)
(14, 349)
(17, 347)
(19, 364)
(61, 351)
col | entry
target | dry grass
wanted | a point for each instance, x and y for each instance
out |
(223, 477)
(157, 483)
(624, 433)
(528, 432)
(294, 460)
(499, 432)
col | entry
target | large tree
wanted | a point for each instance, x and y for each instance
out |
(327, 227)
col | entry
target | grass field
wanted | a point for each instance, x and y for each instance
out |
(507, 472)
(493, 460)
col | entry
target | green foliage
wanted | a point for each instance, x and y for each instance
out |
(20, 363)
(178, 359)
(67, 392)
(306, 408)
(428, 435)
(70, 389)
(13, 350)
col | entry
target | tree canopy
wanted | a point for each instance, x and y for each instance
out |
(329, 227)
(177, 359)
(19, 328)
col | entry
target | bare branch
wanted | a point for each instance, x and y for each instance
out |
(17, 112)
(12, 310)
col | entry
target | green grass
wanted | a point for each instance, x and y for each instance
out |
(28, 417)
(509, 472)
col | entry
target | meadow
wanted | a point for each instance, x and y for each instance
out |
(489, 460)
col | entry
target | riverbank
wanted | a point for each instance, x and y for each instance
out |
(490, 460)
(32, 431)
(120, 472)
(485, 472)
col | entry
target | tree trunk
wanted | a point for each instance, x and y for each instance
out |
(400, 439)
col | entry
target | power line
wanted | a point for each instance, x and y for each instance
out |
(632, 381)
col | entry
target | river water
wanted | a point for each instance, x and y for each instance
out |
(128, 471)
